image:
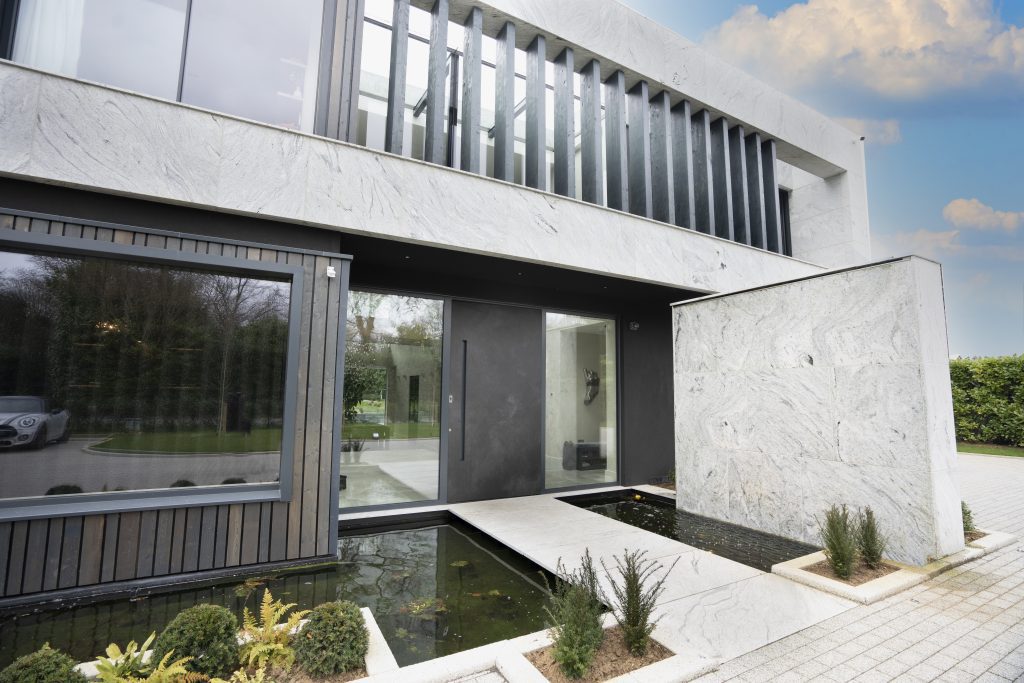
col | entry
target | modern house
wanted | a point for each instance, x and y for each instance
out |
(265, 263)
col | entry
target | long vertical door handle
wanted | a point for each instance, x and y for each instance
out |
(462, 408)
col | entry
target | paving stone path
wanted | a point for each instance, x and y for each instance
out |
(964, 625)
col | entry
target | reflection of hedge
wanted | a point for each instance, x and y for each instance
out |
(988, 399)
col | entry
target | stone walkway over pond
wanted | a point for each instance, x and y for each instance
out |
(964, 625)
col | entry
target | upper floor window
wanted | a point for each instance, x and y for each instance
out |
(253, 58)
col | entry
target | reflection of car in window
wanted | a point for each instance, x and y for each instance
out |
(29, 421)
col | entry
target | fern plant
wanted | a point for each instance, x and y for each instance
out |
(243, 676)
(267, 640)
(118, 666)
(167, 671)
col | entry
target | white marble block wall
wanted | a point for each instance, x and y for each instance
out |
(832, 389)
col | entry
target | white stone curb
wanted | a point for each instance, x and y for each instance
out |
(890, 584)
(508, 658)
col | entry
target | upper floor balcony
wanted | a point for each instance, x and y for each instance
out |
(581, 99)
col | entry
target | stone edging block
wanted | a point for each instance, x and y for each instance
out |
(883, 587)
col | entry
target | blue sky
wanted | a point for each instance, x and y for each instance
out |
(937, 86)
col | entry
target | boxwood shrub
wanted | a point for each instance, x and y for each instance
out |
(333, 640)
(45, 665)
(208, 634)
(988, 399)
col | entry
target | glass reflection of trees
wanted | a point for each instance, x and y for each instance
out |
(147, 358)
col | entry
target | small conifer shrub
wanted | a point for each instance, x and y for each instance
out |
(839, 537)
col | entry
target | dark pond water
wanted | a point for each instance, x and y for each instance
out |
(747, 546)
(433, 591)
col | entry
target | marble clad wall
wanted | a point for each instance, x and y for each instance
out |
(829, 390)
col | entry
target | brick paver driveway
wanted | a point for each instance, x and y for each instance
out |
(965, 625)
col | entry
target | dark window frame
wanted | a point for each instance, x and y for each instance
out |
(8, 14)
(151, 499)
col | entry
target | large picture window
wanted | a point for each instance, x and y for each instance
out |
(118, 375)
(253, 58)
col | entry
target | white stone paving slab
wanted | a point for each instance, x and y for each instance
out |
(712, 607)
(736, 618)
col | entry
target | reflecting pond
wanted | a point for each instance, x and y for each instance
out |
(753, 548)
(433, 591)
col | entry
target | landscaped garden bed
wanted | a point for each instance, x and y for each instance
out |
(613, 658)
(843, 569)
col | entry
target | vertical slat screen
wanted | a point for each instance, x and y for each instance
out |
(343, 104)
(703, 185)
(615, 141)
(536, 119)
(565, 124)
(682, 165)
(394, 124)
(662, 168)
(755, 190)
(773, 221)
(591, 165)
(639, 131)
(738, 169)
(504, 103)
(434, 149)
(721, 178)
(471, 86)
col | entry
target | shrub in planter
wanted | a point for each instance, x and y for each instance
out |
(870, 541)
(840, 540)
(635, 598)
(333, 640)
(575, 615)
(45, 665)
(207, 634)
(968, 516)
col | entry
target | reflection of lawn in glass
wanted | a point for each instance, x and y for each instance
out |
(395, 430)
(258, 440)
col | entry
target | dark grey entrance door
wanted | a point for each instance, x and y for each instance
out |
(496, 402)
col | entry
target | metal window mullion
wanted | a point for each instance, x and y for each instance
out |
(740, 201)
(615, 141)
(755, 190)
(703, 186)
(504, 103)
(721, 178)
(565, 124)
(639, 131)
(682, 165)
(662, 170)
(394, 125)
(536, 96)
(471, 91)
(590, 139)
(434, 148)
(184, 49)
(773, 220)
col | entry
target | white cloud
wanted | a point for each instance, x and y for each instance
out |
(971, 213)
(875, 131)
(900, 49)
(927, 243)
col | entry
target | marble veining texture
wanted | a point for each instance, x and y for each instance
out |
(62, 131)
(830, 390)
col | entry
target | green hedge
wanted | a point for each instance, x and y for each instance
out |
(988, 399)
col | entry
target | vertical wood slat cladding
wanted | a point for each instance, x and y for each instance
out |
(67, 552)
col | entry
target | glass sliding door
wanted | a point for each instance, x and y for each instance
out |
(580, 400)
(392, 399)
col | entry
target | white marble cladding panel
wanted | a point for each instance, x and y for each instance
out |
(829, 390)
(828, 217)
(62, 131)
